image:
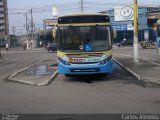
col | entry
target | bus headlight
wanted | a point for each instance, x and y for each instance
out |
(63, 61)
(106, 60)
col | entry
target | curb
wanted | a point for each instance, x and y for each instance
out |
(27, 67)
(32, 83)
(38, 84)
(46, 83)
(153, 80)
(133, 73)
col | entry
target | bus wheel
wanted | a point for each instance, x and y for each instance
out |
(148, 45)
(104, 74)
(67, 75)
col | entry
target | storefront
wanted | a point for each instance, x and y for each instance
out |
(122, 22)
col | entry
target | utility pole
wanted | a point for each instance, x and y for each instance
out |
(26, 26)
(14, 31)
(82, 6)
(136, 56)
(44, 28)
(31, 24)
(26, 16)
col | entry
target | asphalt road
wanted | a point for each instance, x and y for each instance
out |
(115, 93)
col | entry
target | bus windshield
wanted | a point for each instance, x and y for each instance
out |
(73, 38)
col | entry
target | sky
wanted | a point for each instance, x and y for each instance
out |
(42, 9)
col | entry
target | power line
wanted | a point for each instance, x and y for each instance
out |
(82, 5)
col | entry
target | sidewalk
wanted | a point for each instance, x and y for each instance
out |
(145, 70)
(39, 73)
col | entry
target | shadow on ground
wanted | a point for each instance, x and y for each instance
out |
(119, 75)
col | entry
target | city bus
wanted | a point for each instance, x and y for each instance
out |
(84, 44)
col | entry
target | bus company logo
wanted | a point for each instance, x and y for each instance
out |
(126, 13)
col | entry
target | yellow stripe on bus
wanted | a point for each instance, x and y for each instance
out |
(84, 24)
(61, 54)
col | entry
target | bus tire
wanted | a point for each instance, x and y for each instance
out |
(67, 75)
(104, 74)
(148, 45)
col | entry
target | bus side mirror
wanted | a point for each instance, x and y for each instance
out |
(54, 32)
(114, 33)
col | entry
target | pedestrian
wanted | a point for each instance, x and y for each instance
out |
(7, 46)
(24, 45)
(40, 43)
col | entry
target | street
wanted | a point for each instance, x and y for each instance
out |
(118, 92)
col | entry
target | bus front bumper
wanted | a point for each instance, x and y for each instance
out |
(82, 69)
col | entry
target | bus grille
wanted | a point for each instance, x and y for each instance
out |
(86, 70)
(84, 62)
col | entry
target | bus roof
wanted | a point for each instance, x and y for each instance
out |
(83, 18)
(83, 14)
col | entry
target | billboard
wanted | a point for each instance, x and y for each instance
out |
(153, 9)
(123, 13)
(120, 27)
(130, 27)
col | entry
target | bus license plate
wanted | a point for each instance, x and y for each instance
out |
(81, 60)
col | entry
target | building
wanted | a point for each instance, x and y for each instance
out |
(14, 40)
(122, 21)
(4, 25)
(46, 36)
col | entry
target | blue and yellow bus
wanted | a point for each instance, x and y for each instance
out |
(84, 44)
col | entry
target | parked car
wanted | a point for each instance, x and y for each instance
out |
(52, 47)
(125, 42)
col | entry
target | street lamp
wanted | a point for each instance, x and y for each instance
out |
(26, 16)
(28, 32)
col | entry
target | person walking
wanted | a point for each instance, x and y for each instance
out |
(7, 46)
(24, 45)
